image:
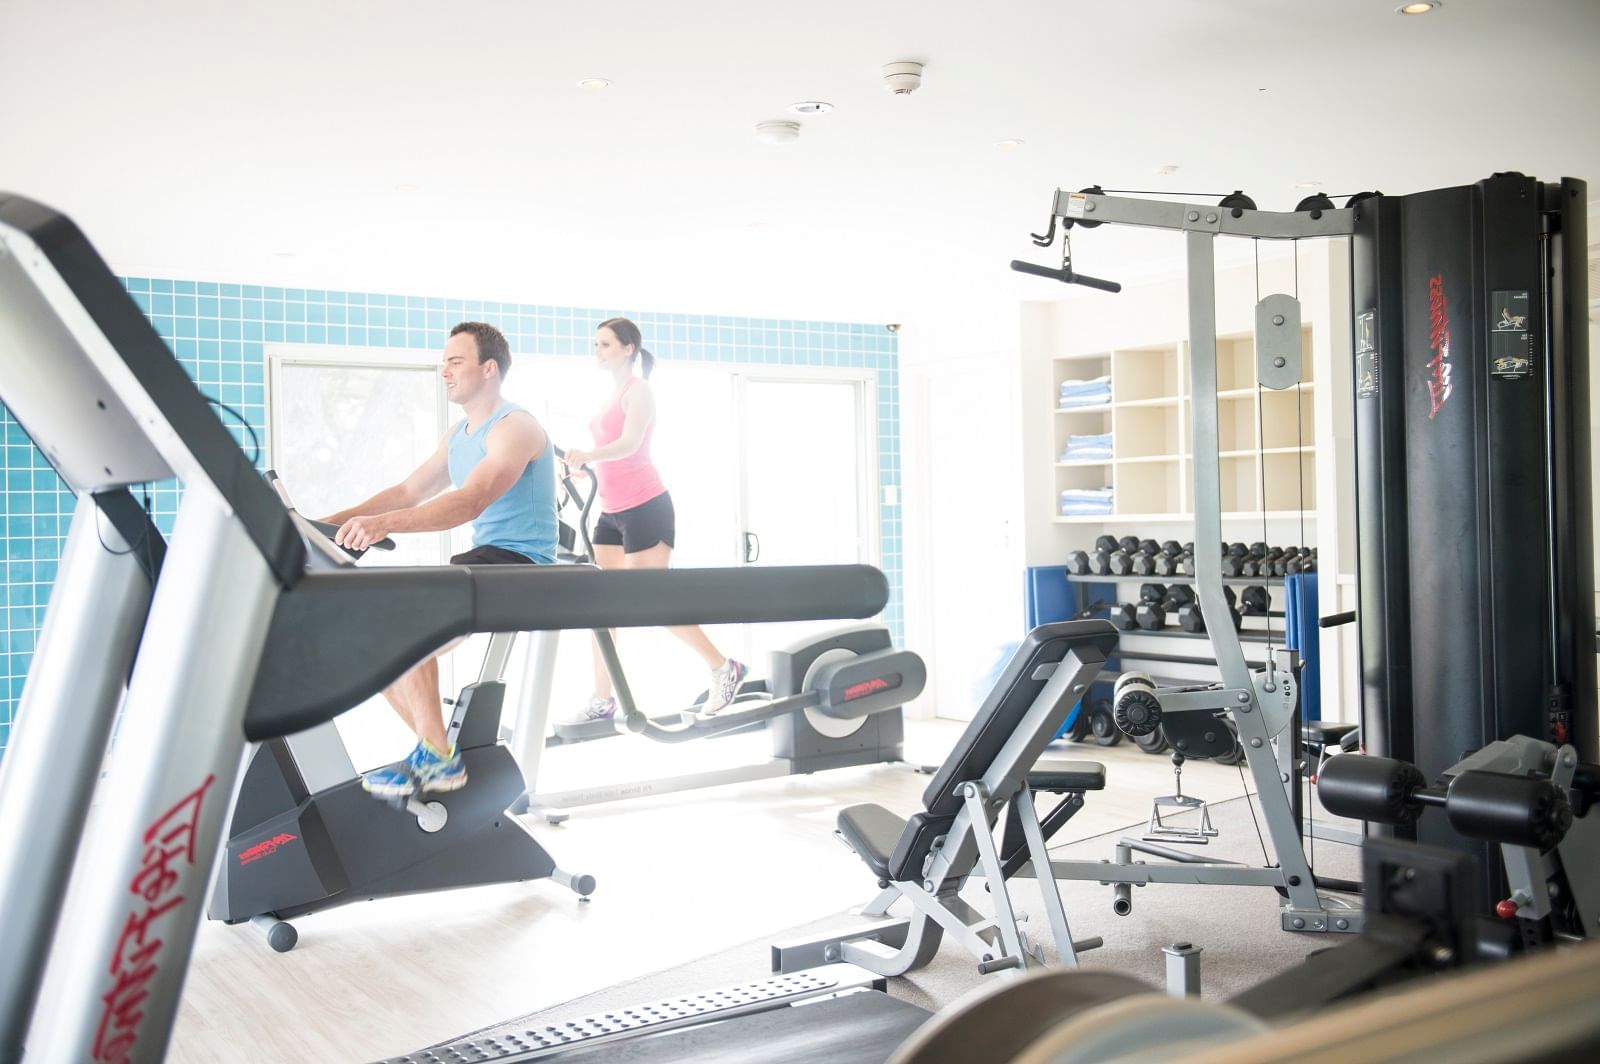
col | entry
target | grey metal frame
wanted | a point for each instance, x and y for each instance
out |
(968, 848)
(156, 831)
(91, 630)
(1260, 705)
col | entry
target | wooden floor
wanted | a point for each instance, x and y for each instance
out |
(679, 876)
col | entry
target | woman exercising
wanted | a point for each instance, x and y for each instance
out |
(636, 525)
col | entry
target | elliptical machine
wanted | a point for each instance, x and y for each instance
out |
(305, 836)
(830, 701)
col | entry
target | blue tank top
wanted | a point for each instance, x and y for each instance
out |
(524, 518)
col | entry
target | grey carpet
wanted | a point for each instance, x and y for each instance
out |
(1236, 927)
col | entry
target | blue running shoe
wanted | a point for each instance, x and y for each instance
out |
(435, 772)
(394, 781)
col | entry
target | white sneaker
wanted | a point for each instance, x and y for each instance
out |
(597, 709)
(725, 684)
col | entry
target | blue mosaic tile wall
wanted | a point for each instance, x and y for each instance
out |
(218, 332)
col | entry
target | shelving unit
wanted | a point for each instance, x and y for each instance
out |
(1264, 436)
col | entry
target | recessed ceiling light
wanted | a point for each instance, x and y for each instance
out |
(1009, 144)
(1421, 7)
(1307, 184)
(283, 254)
(777, 132)
(811, 107)
(1166, 170)
(593, 83)
(405, 188)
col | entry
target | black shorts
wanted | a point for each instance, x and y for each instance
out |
(639, 528)
(490, 556)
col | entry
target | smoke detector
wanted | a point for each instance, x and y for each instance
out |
(777, 132)
(902, 79)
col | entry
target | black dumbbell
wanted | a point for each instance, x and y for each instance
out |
(1305, 563)
(1100, 557)
(1166, 562)
(1078, 563)
(1123, 616)
(1191, 619)
(1130, 553)
(1233, 559)
(1186, 560)
(1151, 613)
(1144, 562)
(1252, 564)
(1254, 601)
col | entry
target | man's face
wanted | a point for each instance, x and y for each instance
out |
(464, 376)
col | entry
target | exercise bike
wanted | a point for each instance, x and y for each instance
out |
(830, 701)
(304, 836)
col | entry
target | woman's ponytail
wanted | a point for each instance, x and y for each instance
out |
(627, 334)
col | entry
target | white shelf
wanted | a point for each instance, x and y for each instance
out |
(1308, 516)
(1261, 433)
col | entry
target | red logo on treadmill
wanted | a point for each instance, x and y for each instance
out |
(865, 688)
(1439, 343)
(265, 849)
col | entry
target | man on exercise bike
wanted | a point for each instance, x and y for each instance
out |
(494, 468)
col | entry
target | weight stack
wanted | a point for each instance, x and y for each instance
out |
(1474, 547)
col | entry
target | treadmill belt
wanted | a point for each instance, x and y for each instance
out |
(854, 1029)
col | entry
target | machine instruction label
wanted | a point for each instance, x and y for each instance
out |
(1510, 340)
(1366, 354)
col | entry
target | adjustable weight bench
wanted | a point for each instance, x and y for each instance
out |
(928, 858)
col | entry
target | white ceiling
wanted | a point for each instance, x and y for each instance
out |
(266, 142)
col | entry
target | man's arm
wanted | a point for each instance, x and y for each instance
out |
(426, 481)
(638, 410)
(515, 440)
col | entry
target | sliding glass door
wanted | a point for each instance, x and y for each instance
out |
(765, 468)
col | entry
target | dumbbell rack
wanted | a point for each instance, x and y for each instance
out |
(1080, 585)
(1175, 665)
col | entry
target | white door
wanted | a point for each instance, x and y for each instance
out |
(805, 485)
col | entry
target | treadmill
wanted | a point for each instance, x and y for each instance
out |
(231, 637)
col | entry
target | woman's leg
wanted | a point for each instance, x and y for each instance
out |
(658, 557)
(606, 556)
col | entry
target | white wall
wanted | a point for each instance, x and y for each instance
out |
(963, 486)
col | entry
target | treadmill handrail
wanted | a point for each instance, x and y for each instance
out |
(341, 636)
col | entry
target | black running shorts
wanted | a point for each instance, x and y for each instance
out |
(639, 528)
(490, 556)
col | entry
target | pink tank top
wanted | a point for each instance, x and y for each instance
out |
(624, 482)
